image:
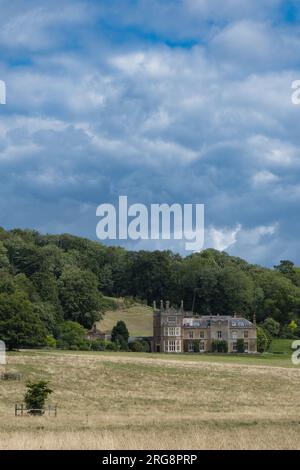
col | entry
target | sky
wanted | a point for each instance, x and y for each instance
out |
(165, 101)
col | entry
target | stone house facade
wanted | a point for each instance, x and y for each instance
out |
(177, 331)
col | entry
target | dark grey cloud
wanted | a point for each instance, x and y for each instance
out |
(103, 101)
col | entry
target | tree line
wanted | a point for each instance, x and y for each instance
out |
(51, 284)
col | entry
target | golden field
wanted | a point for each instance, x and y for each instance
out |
(144, 401)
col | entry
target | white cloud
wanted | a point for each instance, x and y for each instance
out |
(274, 152)
(31, 26)
(239, 241)
(149, 64)
(264, 177)
(253, 236)
(231, 9)
(222, 238)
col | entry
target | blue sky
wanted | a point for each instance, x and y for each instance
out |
(185, 101)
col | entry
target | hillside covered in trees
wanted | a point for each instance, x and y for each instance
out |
(49, 283)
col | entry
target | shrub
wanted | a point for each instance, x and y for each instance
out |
(146, 345)
(262, 340)
(240, 345)
(97, 345)
(139, 346)
(50, 342)
(72, 336)
(136, 346)
(36, 395)
(121, 342)
(219, 345)
(111, 346)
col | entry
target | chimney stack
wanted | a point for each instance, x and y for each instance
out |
(161, 305)
(181, 305)
(254, 319)
(154, 305)
(167, 304)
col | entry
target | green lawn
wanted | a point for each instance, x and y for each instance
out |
(281, 346)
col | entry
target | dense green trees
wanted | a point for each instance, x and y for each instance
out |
(20, 326)
(271, 326)
(46, 280)
(79, 296)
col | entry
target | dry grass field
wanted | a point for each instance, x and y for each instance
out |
(139, 401)
(138, 319)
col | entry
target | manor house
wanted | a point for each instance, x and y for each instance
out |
(176, 331)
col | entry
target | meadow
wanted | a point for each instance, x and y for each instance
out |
(138, 318)
(150, 401)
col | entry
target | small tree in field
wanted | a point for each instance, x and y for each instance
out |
(36, 395)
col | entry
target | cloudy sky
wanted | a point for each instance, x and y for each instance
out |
(185, 101)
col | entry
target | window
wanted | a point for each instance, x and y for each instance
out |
(219, 334)
(234, 335)
(173, 346)
(191, 347)
(172, 331)
(246, 334)
(191, 334)
(202, 346)
(201, 334)
(172, 320)
(246, 346)
(234, 346)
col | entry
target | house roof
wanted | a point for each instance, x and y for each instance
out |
(208, 320)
